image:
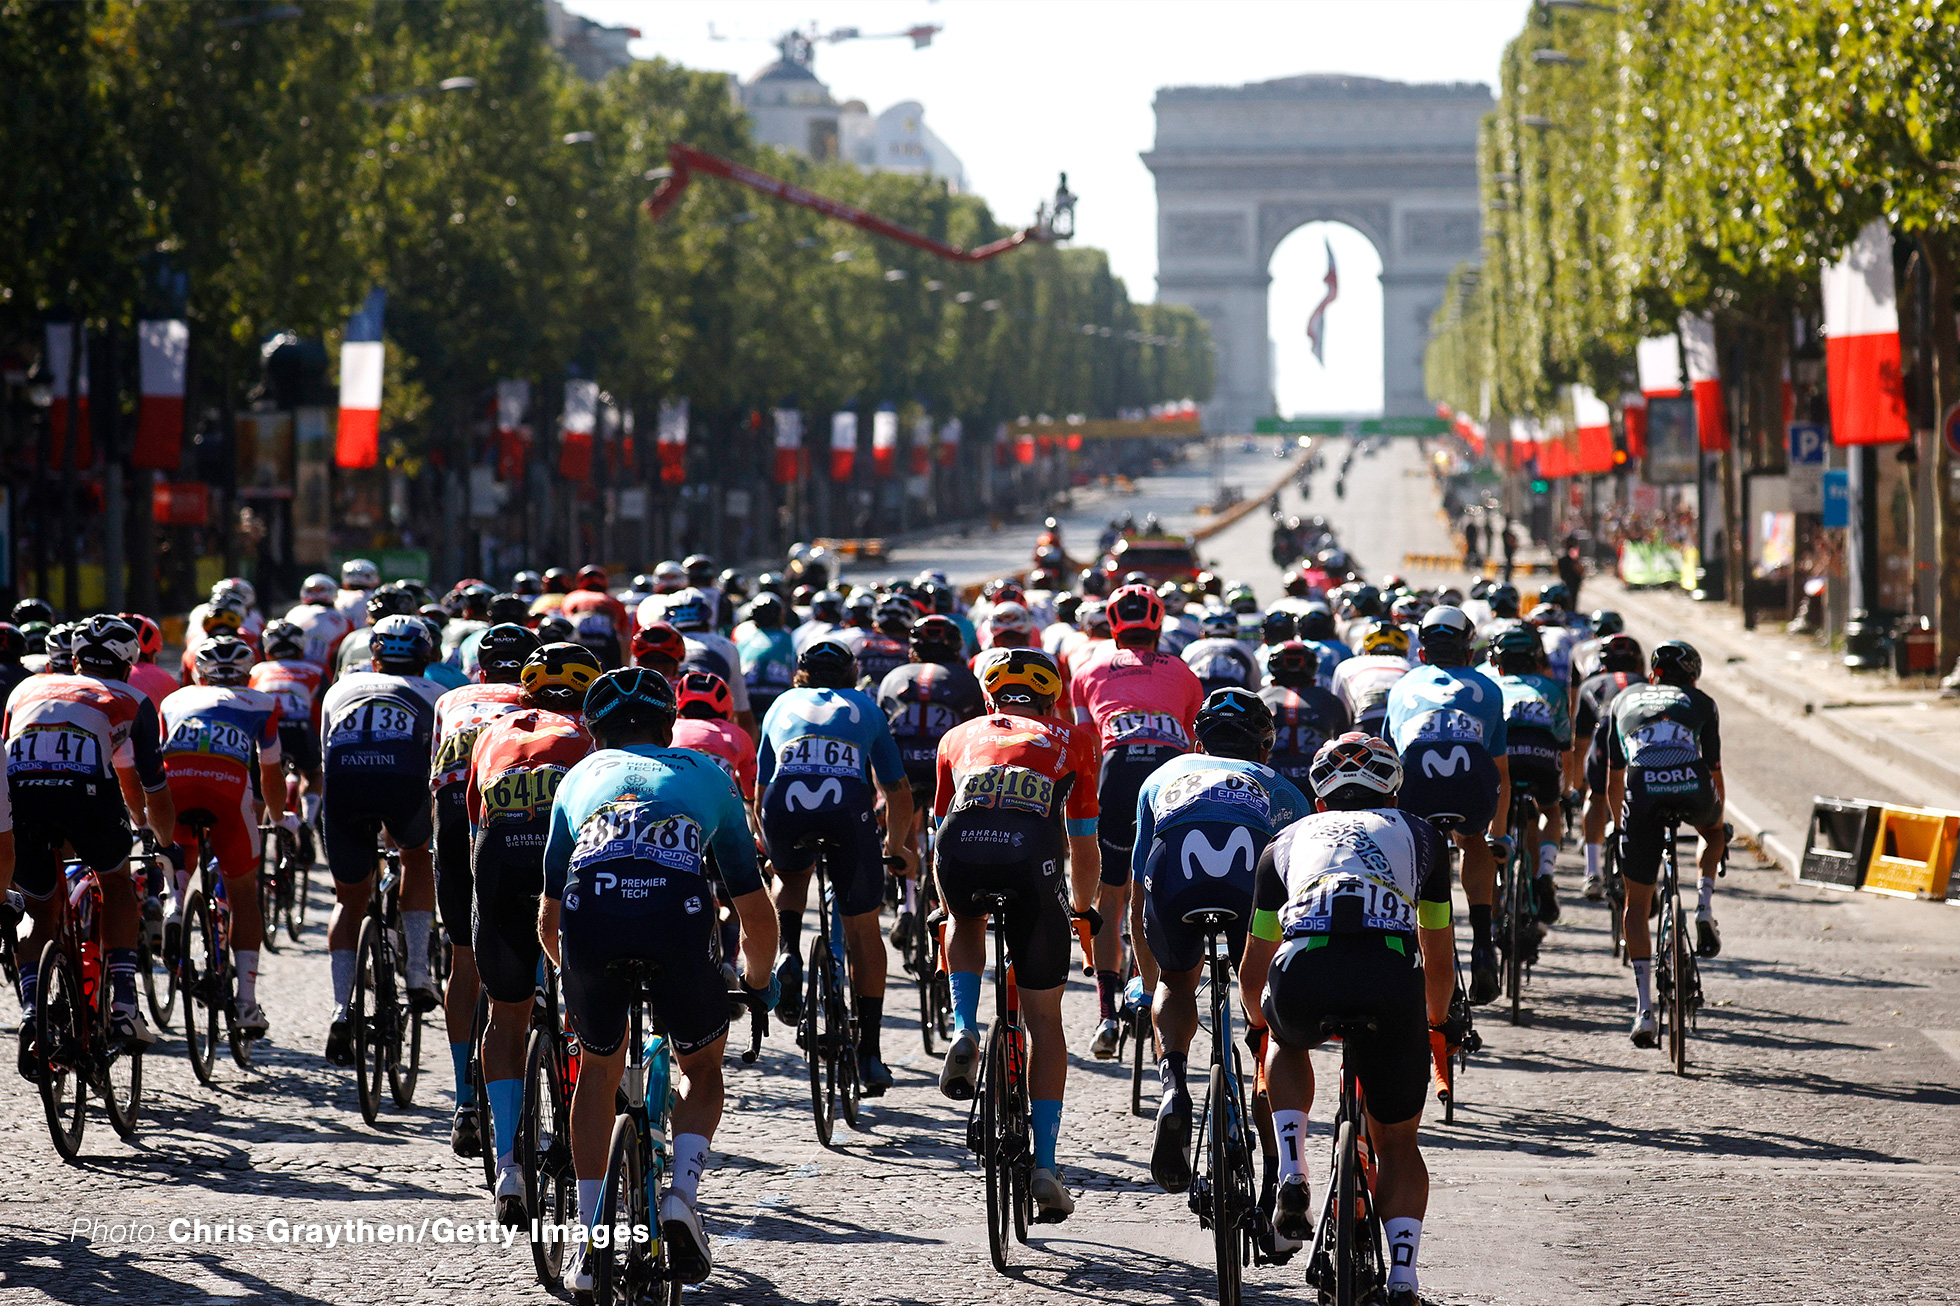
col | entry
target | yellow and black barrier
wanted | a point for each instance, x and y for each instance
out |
(1912, 851)
(1839, 843)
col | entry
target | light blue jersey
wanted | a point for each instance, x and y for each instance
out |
(1446, 704)
(1200, 787)
(652, 806)
(837, 733)
(1538, 701)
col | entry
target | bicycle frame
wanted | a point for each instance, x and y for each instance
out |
(1347, 1262)
(1223, 1192)
(1677, 977)
(999, 1128)
(74, 970)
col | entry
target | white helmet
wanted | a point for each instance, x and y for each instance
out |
(359, 574)
(1009, 616)
(241, 587)
(669, 578)
(317, 588)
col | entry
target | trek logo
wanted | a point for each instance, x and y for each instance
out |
(1200, 854)
(1439, 765)
(800, 797)
(819, 711)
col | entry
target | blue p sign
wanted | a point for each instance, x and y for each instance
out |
(1807, 444)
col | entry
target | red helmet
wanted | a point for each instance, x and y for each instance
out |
(659, 639)
(709, 691)
(591, 577)
(149, 639)
(1135, 607)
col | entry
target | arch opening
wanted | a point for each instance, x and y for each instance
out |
(1347, 380)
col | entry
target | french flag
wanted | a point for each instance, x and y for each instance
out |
(1861, 345)
(1705, 381)
(162, 349)
(921, 461)
(949, 443)
(843, 445)
(884, 440)
(1594, 422)
(789, 444)
(513, 437)
(671, 440)
(357, 441)
(577, 426)
(60, 370)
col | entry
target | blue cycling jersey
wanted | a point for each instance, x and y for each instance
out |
(1196, 787)
(670, 807)
(768, 664)
(1445, 705)
(826, 733)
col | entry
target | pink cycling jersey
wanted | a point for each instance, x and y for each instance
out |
(724, 741)
(1138, 696)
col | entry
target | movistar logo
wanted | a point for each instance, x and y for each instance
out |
(819, 711)
(1446, 764)
(801, 797)
(1200, 855)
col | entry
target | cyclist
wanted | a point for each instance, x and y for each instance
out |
(826, 620)
(379, 728)
(83, 753)
(1352, 923)
(232, 587)
(469, 608)
(1363, 681)
(146, 675)
(293, 679)
(633, 826)
(223, 615)
(1007, 625)
(1538, 735)
(1009, 787)
(822, 748)
(1144, 707)
(767, 651)
(460, 716)
(1446, 719)
(592, 596)
(213, 732)
(1217, 658)
(1664, 762)
(514, 766)
(1203, 819)
(659, 647)
(1092, 637)
(1620, 663)
(1305, 715)
(1547, 623)
(321, 623)
(887, 645)
(358, 579)
(690, 613)
(1605, 623)
(706, 725)
(382, 601)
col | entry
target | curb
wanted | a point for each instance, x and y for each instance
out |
(1767, 843)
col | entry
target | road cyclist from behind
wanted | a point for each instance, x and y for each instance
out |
(1621, 664)
(1538, 735)
(1446, 720)
(636, 830)
(1351, 924)
(1305, 714)
(825, 755)
(295, 680)
(1363, 681)
(1664, 763)
(321, 623)
(219, 737)
(460, 716)
(516, 763)
(1143, 705)
(84, 751)
(379, 729)
(1016, 800)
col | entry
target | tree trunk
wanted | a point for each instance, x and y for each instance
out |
(1940, 251)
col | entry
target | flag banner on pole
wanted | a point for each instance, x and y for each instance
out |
(357, 440)
(1024, 450)
(843, 445)
(949, 443)
(513, 436)
(1633, 417)
(1861, 342)
(1317, 323)
(671, 438)
(789, 444)
(1556, 458)
(1001, 454)
(576, 427)
(626, 459)
(884, 440)
(60, 342)
(162, 348)
(1705, 381)
(921, 452)
(1593, 421)
(1658, 360)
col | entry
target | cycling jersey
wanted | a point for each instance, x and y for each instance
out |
(1352, 872)
(727, 743)
(460, 718)
(877, 656)
(810, 632)
(583, 601)
(352, 604)
(444, 676)
(1136, 696)
(1080, 651)
(454, 636)
(1669, 740)
(295, 683)
(215, 739)
(1304, 718)
(1030, 765)
(921, 702)
(324, 627)
(820, 752)
(1331, 653)
(1363, 682)
(1558, 643)
(1218, 663)
(1446, 705)
(1062, 709)
(1536, 702)
(768, 666)
(1201, 788)
(1591, 718)
(378, 730)
(707, 651)
(353, 656)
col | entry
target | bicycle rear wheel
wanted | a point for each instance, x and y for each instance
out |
(1137, 1022)
(302, 882)
(1347, 1213)
(121, 1087)
(61, 1037)
(1616, 898)
(368, 1016)
(815, 1037)
(478, 1088)
(201, 977)
(405, 1060)
(627, 1275)
(1227, 1239)
(1678, 997)
(272, 875)
(159, 983)
(544, 1151)
(1516, 922)
(996, 1163)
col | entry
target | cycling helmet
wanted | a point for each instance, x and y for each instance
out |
(359, 574)
(1136, 578)
(1516, 651)
(1503, 600)
(629, 700)
(554, 628)
(1219, 625)
(1675, 662)
(1293, 664)
(557, 580)
(1094, 582)
(1044, 578)
(513, 608)
(1296, 584)
(1172, 595)
(704, 694)
(1621, 652)
(36, 635)
(1317, 622)
(1355, 770)
(1235, 722)
(659, 640)
(827, 606)
(772, 582)
(1446, 636)
(1606, 622)
(1208, 583)
(60, 648)
(1025, 677)
(104, 646)
(1385, 639)
(732, 583)
(1277, 628)
(1067, 608)
(895, 617)
(1408, 608)
(939, 596)
(149, 636)
(1135, 610)
(28, 610)
(473, 601)
(1005, 618)
(668, 578)
(223, 661)
(1003, 589)
(937, 639)
(1546, 614)
(317, 588)
(1366, 601)
(501, 652)
(282, 641)
(13, 644)
(1558, 593)
(389, 601)
(699, 569)
(827, 664)
(592, 578)
(689, 610)
(861, 609)
(557, 676)
(527, 584)
(1480, 588)
(1240, 598)
(768, 612)
(401, 640)
(1092, 618)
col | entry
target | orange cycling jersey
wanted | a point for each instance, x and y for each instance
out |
(461, 714)
(295, 683)
(724, 741)
(516, 765)
(1138, 696)
(1030, 765)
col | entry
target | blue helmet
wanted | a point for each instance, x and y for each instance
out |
(402, 640)
(689, 610)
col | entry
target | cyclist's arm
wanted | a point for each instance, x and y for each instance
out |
(888, 767)
(1084, 867)
(1500, 824)
(272, 776)
(1263, 939)
(1435, 934)
(1711, 749)
(557, 860)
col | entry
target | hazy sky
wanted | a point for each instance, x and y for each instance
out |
(1024, 89)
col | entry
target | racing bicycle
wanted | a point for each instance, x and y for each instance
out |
(544, 1125)
(73, 1049)
(1517, 907)
(387, 1032)
(1677, 976)
(828, 1030)
(1000, 1127)
(1347, 1265)
(206, 972)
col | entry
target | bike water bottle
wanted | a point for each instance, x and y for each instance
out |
(1133, 993)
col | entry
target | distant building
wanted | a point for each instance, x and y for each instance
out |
(592, 49)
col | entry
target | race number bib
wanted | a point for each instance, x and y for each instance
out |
(1530, 712)
(1448, 726)
(376, 721)
(522, 795)
(1144, 728)
(1006, 788)
(1662, 743)
(210, 737)
(1376, 906)
(820, 755)
(1232, 788)
(55, 748)
(623, 830)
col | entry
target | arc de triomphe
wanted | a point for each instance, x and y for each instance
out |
(1239, 167)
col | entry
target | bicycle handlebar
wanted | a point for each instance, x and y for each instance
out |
(1087, 924)
(757, 1001)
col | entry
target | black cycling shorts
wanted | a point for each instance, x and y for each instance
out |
(982, 851)
(1596, 768)
(1198, 866)
(1654, 795)
(52, 810)
(299, 743)
(1124, 769)
(673, 930)
(1536, 762)
(509, 879)
(453, 879)
(357, 806)
(1449, 777)
(837, 820)
(1358, 977)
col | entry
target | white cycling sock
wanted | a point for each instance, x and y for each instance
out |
(1592, 861)
(1290, 1128)
(309, 806)
(342, 962)
(1547, 858)
(1643, 982)
(690, 1159)
(588, 1201)
(248, 974)
(1705, 899)
(416, 925)
(182, 884)
(1404, 1237)
(911, 900)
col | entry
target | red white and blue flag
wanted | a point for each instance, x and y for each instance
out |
(884, 440)
(1317, 324)
(162, 346)
(843, 445)
(357, 442)
(61, 340)
(1861, 342)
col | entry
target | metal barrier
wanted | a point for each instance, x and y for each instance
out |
(1839, 843)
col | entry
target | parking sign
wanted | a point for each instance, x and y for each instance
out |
(1807, 455)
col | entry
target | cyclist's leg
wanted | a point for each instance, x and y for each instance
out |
(1177, 949)
(37, 866)
(507, 885)
(1641, 832)
(1596, 815)
(1122, 775)
(410, 822)
(595, 1010)
(858, 876)
(349, 836)
(782, 826)
(1291, 1007)
(1038, 938)
(1392, 1063)
(455, 890)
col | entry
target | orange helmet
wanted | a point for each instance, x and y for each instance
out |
(705, 692)
(1135, 607)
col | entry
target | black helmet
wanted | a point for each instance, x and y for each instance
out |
(938, 595)
(1367, 601)
(1278, 627)
(509, 607)
(1606, 622)
(32, 610)
(1446, 636)
(828, 665)
(1621, 652)
(1235, 722)
(527, 584)
(631, 699)
(473, 601)
(555, 628)
(732, 583)
(827, 605)
(391, 600)
(895, 617)
(1317, 622)
(282, 641)
(1503, 600)
(1676, 662)
(107, 646)
(1294, 665)
(700, 569)
(501, 652)
(1516, 650)
(772, 582)
(1558, 593)
(768, 611)
(1094, 581)
(937, 639)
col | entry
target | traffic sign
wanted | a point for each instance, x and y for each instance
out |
(1837, 498)
(1808, 447)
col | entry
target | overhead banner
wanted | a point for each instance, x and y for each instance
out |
(162, 353)
(357, 439)
(1658, 361)
(1861, 343)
